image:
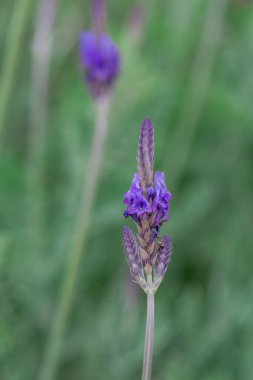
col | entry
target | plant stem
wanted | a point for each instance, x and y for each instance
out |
(79, 243)
(14, 40)
(36, 139)
(41, 55)
(149, 339)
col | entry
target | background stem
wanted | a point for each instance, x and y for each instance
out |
(18, 24)
(39, 108)
(79, 243)
(149, 339)
(41, 56)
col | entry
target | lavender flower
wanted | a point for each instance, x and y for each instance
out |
(100, 60)
(99, 56)
(147, 201)
(138, 205)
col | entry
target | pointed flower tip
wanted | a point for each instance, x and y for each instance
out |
(146, 153)
(147, 128)
(147, 123)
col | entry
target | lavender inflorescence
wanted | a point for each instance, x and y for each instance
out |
(148, 201)
(99, 55)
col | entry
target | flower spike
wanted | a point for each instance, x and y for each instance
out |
(147, 201)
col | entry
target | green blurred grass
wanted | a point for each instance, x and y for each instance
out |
(203, 308)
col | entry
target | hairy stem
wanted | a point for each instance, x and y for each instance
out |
(149, 339)
(78, 244)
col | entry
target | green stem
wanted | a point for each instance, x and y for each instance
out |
(149, 339)
(79, 244)
(11, 54)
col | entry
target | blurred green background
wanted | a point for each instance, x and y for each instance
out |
(188, 66)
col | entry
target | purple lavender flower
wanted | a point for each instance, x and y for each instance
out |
(137, 204)
(155, 203)
(100, 60)
(148, 201)
(161, 199)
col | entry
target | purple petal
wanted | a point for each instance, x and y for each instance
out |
(162, 198)
(137, 204)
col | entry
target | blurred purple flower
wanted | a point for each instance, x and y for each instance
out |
(100, 60)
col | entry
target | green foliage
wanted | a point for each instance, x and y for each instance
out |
(203, 327)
